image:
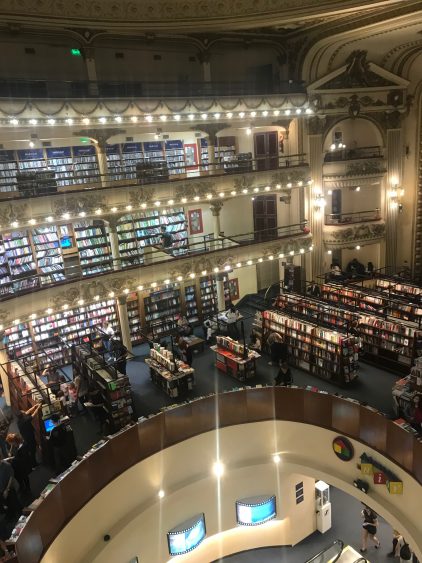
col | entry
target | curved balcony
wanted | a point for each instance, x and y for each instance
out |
(350, 234)
(358, 153)
(297, 422)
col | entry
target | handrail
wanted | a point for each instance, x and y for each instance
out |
(356, 153)
(150, 436)
(355, 217)
(22, 88)
(206, 244)
(95, 180)
(318, 558)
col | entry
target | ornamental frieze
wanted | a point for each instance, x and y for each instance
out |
(361, 232)
(75, 205)
(12, 212)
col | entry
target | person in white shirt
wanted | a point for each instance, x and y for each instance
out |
(107, 333)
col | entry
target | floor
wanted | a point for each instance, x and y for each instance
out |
(373, 386)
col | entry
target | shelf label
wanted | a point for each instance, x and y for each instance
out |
(87, 150)
(153, 146)
(113, 149)
(131, 147)
(7, 156)
(31, 154)
(59, 152)
(174, 145)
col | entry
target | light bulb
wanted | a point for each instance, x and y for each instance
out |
(276, 458)
(218, 469)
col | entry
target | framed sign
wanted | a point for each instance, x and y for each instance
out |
(195, 221)
(234, 289)
(343, 448)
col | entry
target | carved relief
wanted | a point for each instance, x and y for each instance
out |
(78, 204)
(244, 183)
(142, 195)
(195, 189)
(15, 212)
(284, 177)
(365, 167)
(355, 233)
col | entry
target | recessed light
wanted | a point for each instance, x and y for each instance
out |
(218, 469)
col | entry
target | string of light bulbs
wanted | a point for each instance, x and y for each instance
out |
(158, 284)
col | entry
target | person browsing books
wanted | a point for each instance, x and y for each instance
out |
(284, 375)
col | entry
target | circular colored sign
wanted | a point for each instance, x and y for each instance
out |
(343, 448)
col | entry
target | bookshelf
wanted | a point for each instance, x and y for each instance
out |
(18, 341)
(324, 353)
(8, 170)
(31, 160)
(208, 295)
(175, 157)
(192, 313)
(48, 254)
(399, 289)
(85, 164)
(226, 152)
(234, 359)
(162, 309)
(130, 249)
(204, 153)
(114, 163)
(114, 387)
(60, 160)
(170, 374)
(46, 331)
(176, 224)
(93, 247)
(132, 155)
(19, 255)
(135, 324)
(5, 278)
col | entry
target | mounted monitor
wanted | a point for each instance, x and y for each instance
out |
(187, 536)
(253, 511)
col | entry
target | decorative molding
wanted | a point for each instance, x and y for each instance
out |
(341, 236)
(142, 195)
(339, 181)
(290, 176)
(197, 188)
(365, 167)
(216, 207)
(13, 212)
(79, 204)
(244, 183)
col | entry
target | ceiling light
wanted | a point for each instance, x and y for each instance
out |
(49, 311)
(217, 115)
(166, 282)
(281, 255)
(196, 198)
(65, 306)
(66, 215)
(82, 214)
(163, 117)
(118, 119)
(229, 115)
(184, 200)
(287, 112)
(126, 290)
(96, 297)
(218, 469)
(276, 112)
(14, 121)
(32, 221)
(265, 113)
(191, 116)
(179, 278)
(267, 188)
(148, 118)
(14, 224)
(86, 121)
(256, 190)
(203, 273)
(253, 113)
(248, 131)
(245, 191)
(209, 196)
(330, 192)
(134, 119)
(69, 121)
(129, 207)
(33, 121)
(31, 144)
(249, 262)
(276, 458)
(113, 209)
(192, 275)
(302, 250)
(51, 121)
(357, 189)
(154, 284)
(239, 265)
(171, 201)
(33, 316)
(289, 185)
(357, 247)
(157, 203)
(278, 186)
(140, 287)
(143, 205)
(292, 253)
(216, 269)
(102, 120)
(49, 219)
(233, 192)
(204, 115)
(17, 321)
(177, 117)
(298, 111)
(308, 111)
(98, 211)
(221, 194)
(329, 251)
(260, 259)
(161, 493)
(242, 114)
(270, 257)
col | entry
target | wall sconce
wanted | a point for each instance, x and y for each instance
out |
(319, 202)
(395, 198)
(337, 146)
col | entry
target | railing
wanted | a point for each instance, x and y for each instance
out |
(127, 176)
(353, 153)
(170, 427)
(116, 89)
(329, 554)
(152, 255)
(350, 218)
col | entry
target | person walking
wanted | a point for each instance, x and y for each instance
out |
(405, 552)
(369, 528)
(26, 430)
(284, 375)
(278, 348)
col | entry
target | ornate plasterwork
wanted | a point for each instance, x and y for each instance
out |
(341, 236)
(13, 212)
(199, 188)
(335, 181)
(142, 195)
(79, 204)
(365, 167)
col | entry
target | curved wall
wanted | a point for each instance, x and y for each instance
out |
(114, 491)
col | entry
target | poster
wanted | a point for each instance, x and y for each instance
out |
(195, 221)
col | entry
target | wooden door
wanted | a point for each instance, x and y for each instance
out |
(265, 217)
(266, 150)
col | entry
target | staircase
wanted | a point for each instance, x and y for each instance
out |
(254, 301)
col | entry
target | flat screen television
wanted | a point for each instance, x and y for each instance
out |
(187, 536)
(256, 510)
(48, 425)
(66, 242)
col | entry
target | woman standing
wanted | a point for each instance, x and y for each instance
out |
(369, 528)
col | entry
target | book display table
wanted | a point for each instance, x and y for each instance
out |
(173, 376)
(231, 358)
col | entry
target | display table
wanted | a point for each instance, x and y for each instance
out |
(194, 342)
(173, 376)
(231, 359)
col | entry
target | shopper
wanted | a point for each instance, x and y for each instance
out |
(405, 552)
(107, 333)
(166, 238)
(20, 460)
(5, 420)
(232, 316)
(96, 406)
(7, 490)
(57, 440)
(284, 375)
(26, 430)
(370, 269)
(119, 353)
(73, 399)
(183, 326)
(81, 384)
(415, 413)
(355, 269)
(369, 528)
(313, 289)
(278, 348)
(186, 351)
(255, 342)
(397, 543)
(52, 375)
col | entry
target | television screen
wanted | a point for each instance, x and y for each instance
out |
(255, 510)
(48, 425)
(66, 242)
(187, 536)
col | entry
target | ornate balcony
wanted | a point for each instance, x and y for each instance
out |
(351, 235)
(352, 218)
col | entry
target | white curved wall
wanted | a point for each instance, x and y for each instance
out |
(130, 511)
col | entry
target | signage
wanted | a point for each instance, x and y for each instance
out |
(112, 149)
(88, 150)
(131, 147)
(343, 448)
(7, 156)
(59, 152)
(174, 145)
(153, 146)
(186, 536)
(256, 510)
(31, 154)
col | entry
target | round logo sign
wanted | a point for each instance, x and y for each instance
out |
(343, 448)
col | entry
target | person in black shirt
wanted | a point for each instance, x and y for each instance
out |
(313, 289)
(119, 353)
(166, 238)
(284, 375)
(27, 432)
(57, 439)
(20, 460)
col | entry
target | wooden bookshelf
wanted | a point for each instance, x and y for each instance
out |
(162, 309)
(93, 247)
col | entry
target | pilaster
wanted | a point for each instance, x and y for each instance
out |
(315, 203)
(124, 321)
(393, 184)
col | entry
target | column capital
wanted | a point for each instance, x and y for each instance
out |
(111, 223)
(122, 299)
(100, 135)
(211, 129)
(316, 125)
(216, 207)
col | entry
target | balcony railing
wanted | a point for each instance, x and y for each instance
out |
(36, 89)
(353, 153)
(351, 218)
(37, 185)
(153, 255)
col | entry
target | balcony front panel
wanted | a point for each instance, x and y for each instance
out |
(351, 235)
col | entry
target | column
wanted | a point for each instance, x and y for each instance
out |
(215, 210)
(211, 130)
(204, 59)
(221, 302)
(100, 147)
(124, 322)
(91, 71)
(393, 184)
(3, 372)
(111, 225)
(315, 197)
